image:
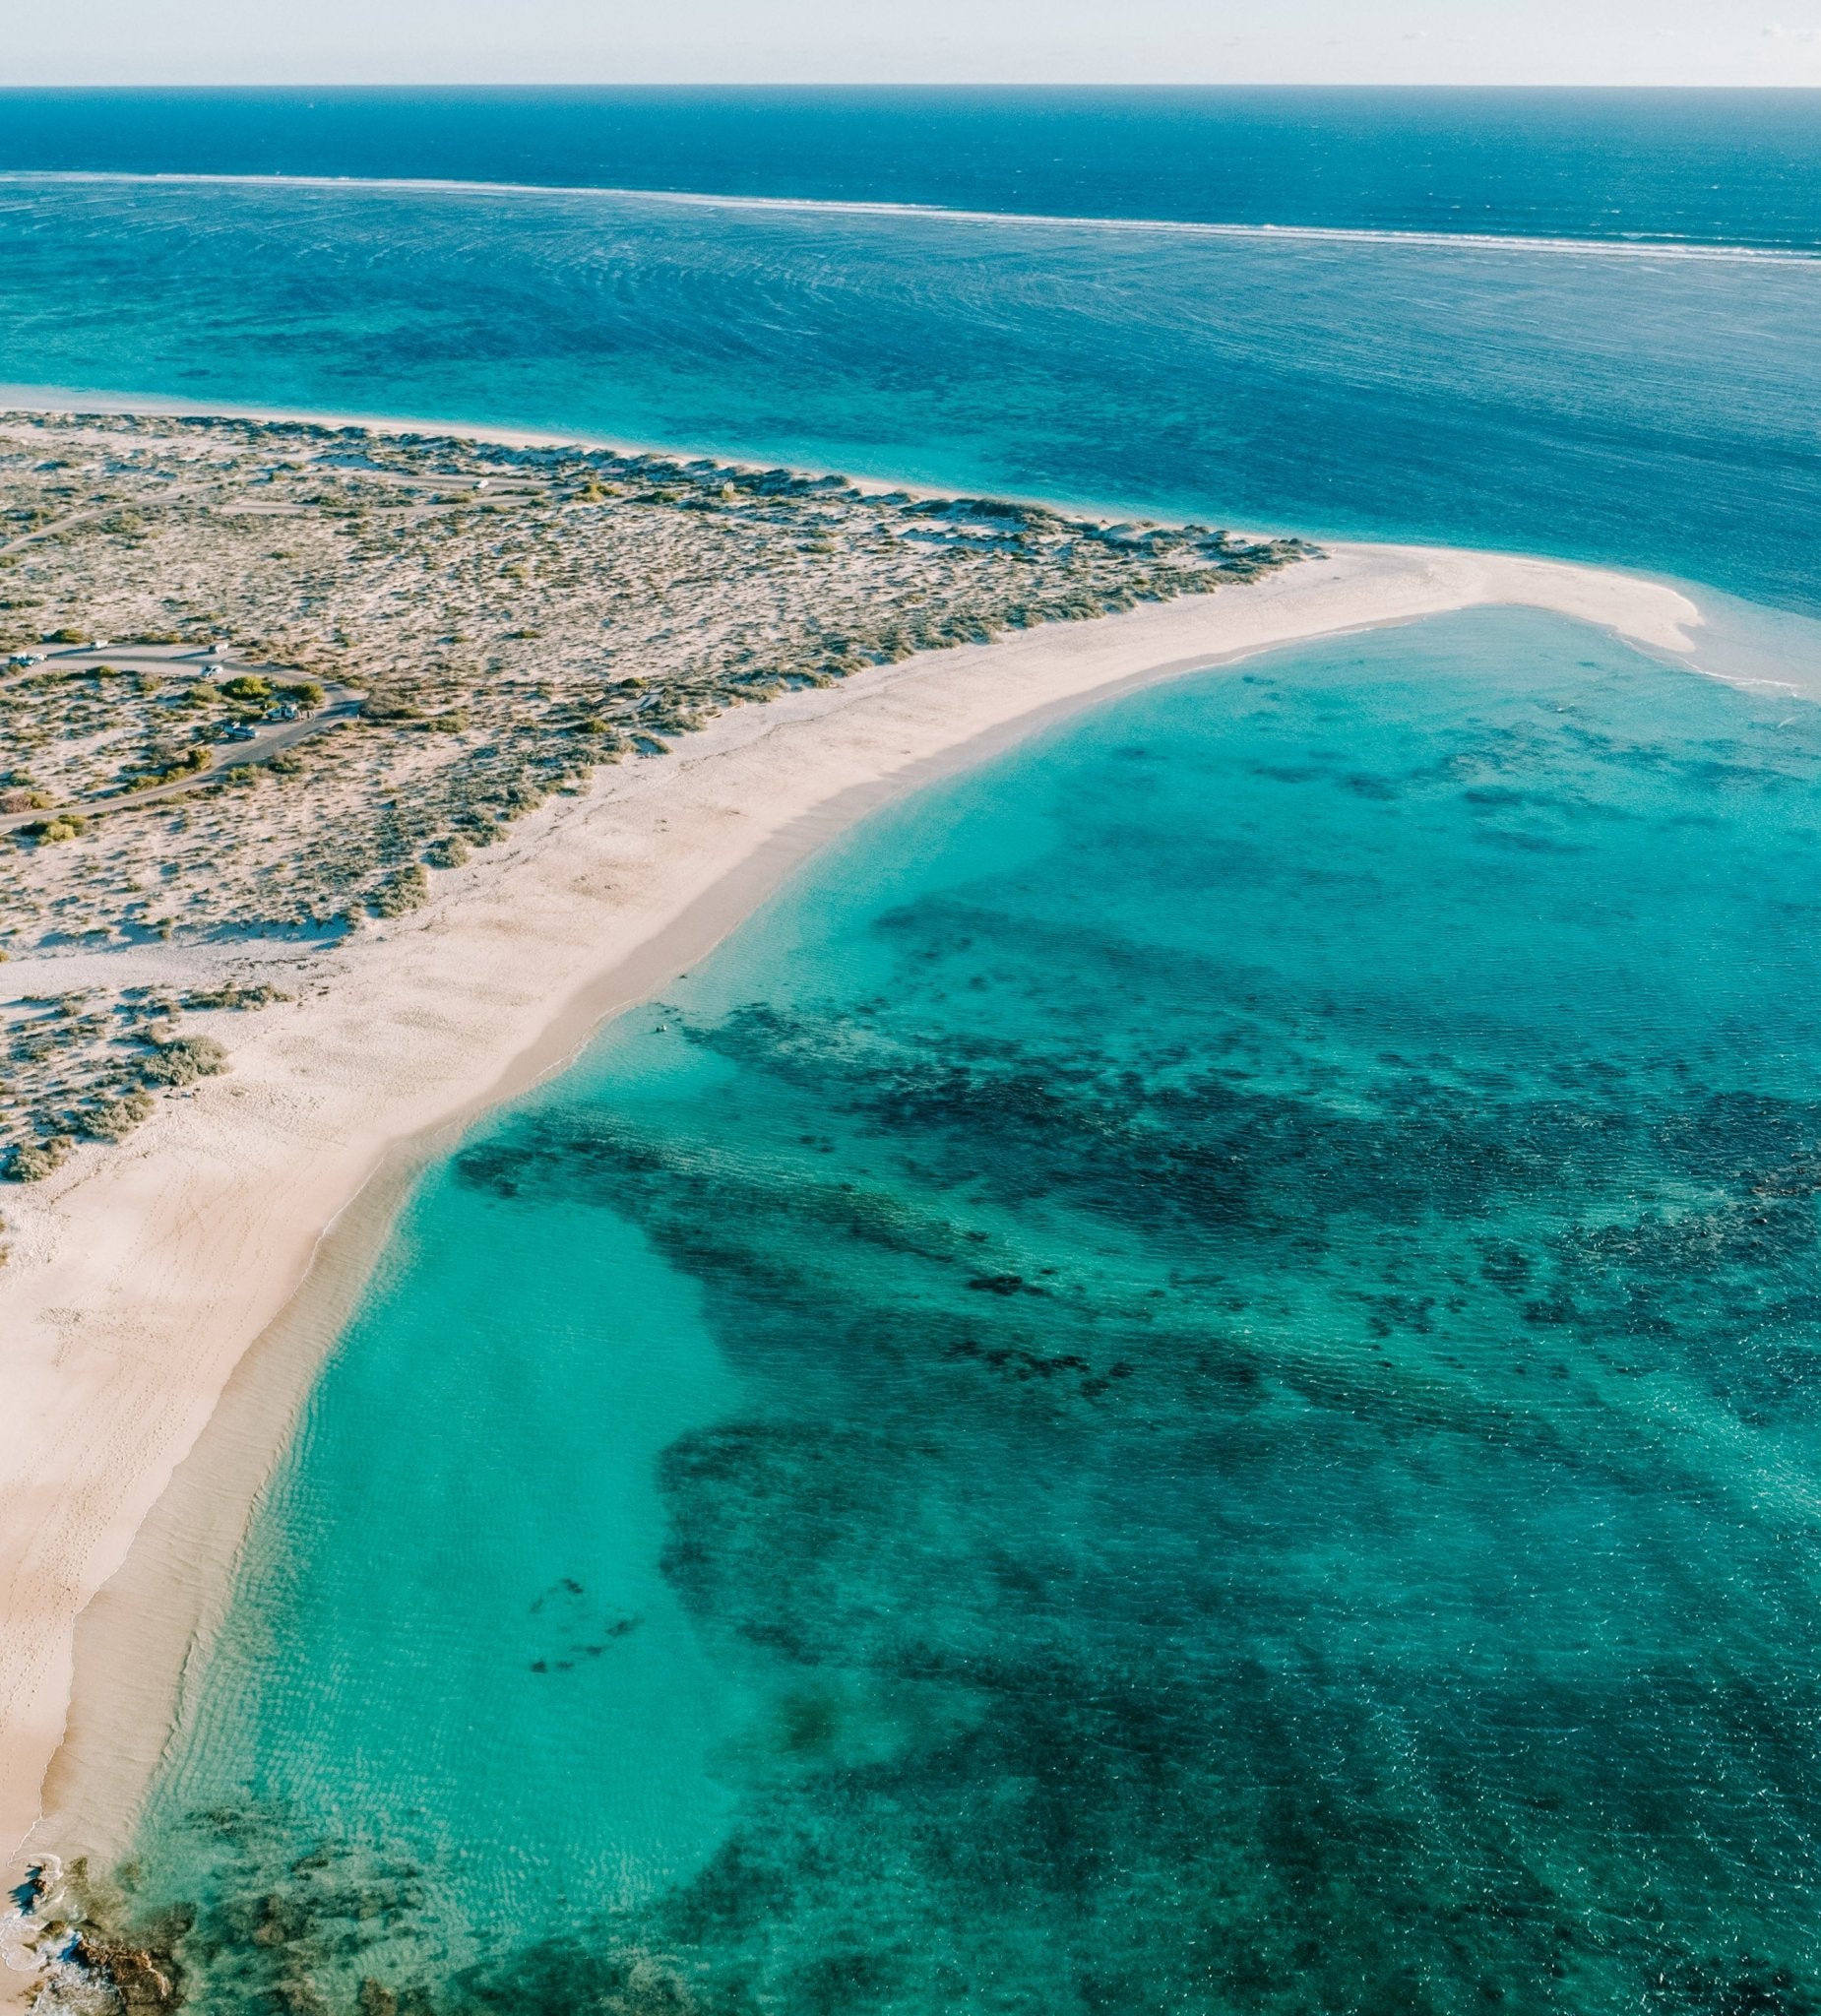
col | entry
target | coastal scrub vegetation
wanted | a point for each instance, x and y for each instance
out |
(417, 641)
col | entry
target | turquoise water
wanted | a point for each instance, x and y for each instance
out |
(1182, 1382)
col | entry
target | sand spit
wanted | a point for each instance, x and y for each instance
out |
(266, 681)
(140, 1280)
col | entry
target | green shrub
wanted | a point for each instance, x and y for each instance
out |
(33, 1161)
(182, 1059)
(399, 892)
(192, 763)
(115, 1119)
(234, 995)
(47, 831)
(247, 686)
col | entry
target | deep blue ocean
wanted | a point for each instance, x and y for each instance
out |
(1185, 1380)
(1721, 168)
(1588, 397)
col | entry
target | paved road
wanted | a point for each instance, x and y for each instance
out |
(341, 703)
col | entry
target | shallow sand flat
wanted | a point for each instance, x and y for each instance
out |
(141, 1277)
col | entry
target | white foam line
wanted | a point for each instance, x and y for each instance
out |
(1637, 247)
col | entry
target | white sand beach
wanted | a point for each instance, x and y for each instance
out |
(222, 1235)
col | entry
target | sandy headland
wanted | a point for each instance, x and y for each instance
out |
(167, 1299)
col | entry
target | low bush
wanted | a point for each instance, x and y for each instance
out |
(399, 892)
(233, 995)
(32, 1161)
(182, 1059)
(114, 1120)
(192, 763)
(47, 831)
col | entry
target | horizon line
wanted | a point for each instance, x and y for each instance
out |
(1690, 90)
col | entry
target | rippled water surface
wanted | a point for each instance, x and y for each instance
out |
(1590, 402)
(1183, 1382)
(1734, 167)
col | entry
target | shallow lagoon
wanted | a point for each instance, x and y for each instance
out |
(1185, 1381)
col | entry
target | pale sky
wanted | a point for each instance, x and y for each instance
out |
(753, 41)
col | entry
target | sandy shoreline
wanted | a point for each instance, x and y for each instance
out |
(172, 1298)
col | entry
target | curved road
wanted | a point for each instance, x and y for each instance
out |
(340, 704)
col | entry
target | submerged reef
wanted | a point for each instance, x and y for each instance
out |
(1071, 1688)
(1263, 1482)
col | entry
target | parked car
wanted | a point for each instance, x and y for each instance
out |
(238, 732)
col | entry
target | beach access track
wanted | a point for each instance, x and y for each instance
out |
(340, 704)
